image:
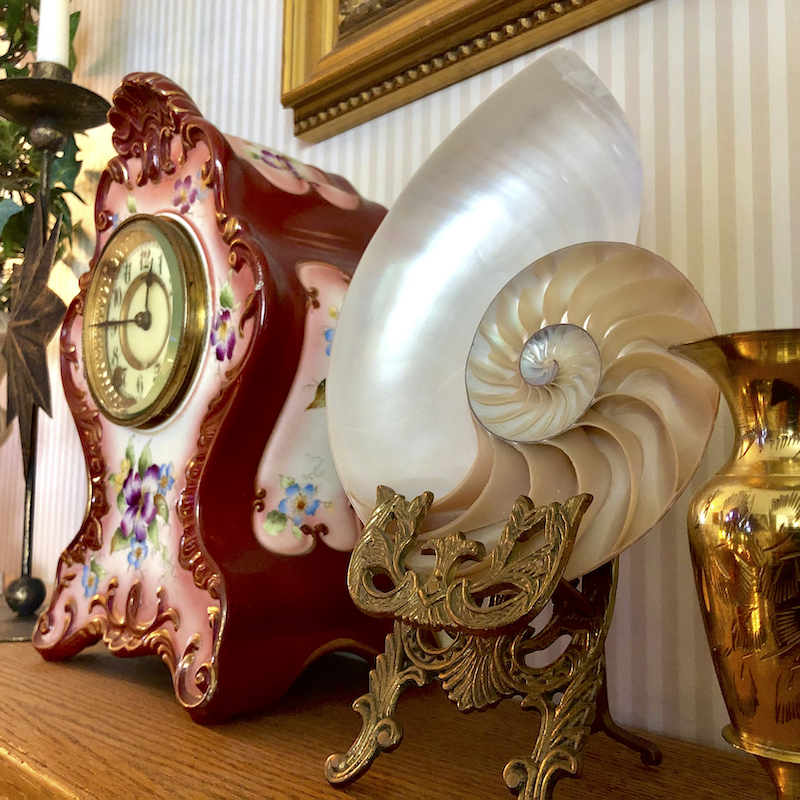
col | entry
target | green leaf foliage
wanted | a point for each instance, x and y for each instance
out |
(275, 523)
(152, 534)
(97, 569)
(20, 161)
(162, 508)
(74, 19)
(7, 210)
(130, 455)
(66, 167)
(118, 541)
(145, 460)
(121, 504)
(226, 296)
(319, 397)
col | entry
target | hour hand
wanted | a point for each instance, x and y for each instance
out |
(142, 319)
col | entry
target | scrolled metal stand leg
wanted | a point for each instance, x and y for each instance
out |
(380, 731)
(649, 753)
(565, 726)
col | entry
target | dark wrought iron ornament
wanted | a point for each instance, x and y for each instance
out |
(51, 106)
(35, 315)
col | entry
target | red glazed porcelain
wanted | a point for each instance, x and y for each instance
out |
(217, 534)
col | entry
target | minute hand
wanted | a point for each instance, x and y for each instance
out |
(141, 319)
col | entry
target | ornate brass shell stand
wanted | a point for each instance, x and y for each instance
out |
(490, 641)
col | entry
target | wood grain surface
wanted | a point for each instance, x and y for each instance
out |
(103, 728)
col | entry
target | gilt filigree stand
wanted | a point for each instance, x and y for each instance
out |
(490, 642)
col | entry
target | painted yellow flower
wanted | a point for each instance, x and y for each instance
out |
(119, 478)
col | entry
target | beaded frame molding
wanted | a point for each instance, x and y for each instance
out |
(349, 61)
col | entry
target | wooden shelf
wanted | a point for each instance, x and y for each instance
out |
(103, 728)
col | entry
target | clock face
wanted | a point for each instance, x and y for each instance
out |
(144, 321)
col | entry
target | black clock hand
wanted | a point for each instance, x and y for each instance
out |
(142, 319)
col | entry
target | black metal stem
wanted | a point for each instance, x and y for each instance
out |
(30, 497)
(30, 468)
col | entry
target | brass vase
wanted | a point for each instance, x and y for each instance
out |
(744, 533)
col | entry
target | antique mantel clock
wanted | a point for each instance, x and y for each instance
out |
(194, 363)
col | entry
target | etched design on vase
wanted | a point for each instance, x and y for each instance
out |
(744, 533)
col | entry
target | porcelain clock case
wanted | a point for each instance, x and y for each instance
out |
(194, 361)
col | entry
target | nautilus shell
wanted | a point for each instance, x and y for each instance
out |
(484, 352)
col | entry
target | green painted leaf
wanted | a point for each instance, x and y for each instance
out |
(129, 452)
(97, 569)
(131, 204)
(226, 296)
(286, 481)
(319, 397)
(297, 532)
(121, 504)
(145, 460)
(162, 508)
(118, 541)
(275, 522)
(152, 534)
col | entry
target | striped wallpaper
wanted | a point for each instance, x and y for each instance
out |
(712, 89)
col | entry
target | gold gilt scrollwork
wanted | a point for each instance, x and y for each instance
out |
(488, 616)
(519, 579)
(125, 632)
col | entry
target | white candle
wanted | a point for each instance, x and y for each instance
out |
(52, 42)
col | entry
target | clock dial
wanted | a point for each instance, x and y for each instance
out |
(144, 321)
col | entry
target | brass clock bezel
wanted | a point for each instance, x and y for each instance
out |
(189, 321)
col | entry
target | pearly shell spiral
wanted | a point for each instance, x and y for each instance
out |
(570, 366)
(546, 162)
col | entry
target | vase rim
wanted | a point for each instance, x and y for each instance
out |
(769, 335)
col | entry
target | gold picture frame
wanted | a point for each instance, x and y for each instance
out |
(348, 61)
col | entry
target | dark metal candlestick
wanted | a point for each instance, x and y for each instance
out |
(51, 107)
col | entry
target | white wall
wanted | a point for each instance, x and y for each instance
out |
(712, 91)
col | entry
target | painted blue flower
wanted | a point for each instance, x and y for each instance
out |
(89, 580)
(138, 552)
(299, 502)
(329, 339)
(165, 479)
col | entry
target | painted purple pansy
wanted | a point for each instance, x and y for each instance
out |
(185, 194)
(223, 335)
(278, 161)
(139, 494)
(300, 501)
